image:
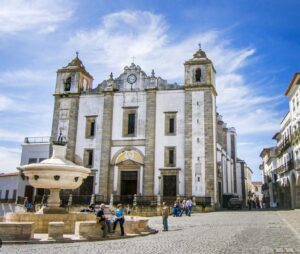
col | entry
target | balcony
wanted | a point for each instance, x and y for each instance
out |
(36, 140)
(286, 167)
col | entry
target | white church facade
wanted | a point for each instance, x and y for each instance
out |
(138, 133)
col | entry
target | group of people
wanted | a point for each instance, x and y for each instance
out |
(254, 203)
(107, 222)
(180, 207)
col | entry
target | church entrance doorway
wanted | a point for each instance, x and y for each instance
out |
(129, 182)
(169, 185)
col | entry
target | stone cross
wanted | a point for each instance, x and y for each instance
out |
(133, 58)
(199, 44)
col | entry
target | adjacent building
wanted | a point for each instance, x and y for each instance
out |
(281, 163)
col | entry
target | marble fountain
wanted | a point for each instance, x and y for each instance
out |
(55, 174)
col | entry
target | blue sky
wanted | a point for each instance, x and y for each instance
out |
(255, 46)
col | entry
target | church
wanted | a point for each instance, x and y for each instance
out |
(140, 134)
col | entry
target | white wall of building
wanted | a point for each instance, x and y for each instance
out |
(37, 151)
(239, 181)
(198, 144)
(90, 105)
(169, 101)
(8, 182)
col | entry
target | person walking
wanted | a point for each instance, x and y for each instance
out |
(165, 215)
(119, 212)
(188, 207)
(102, 220)
(183, 207)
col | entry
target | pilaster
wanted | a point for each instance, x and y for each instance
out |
(150, 142)
(106, 144)
(188, 142)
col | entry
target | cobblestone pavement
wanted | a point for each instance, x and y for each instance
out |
(218, 232)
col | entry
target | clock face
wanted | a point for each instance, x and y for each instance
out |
(131, 79)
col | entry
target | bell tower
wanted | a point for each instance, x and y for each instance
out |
(200, 127)
(72, 80)
(199, 71)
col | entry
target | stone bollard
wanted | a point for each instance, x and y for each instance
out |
(92, 202)
(55, 230)
(111, 202)
(158, 200)
(194, 201)
(134, 200)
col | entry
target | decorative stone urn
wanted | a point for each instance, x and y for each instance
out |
(55, 174)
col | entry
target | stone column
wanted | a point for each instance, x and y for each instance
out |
(188, 142)
(116, 174)
(141, 179)
(150, 143)
(210, 145)
(54, 199)
(106, 143)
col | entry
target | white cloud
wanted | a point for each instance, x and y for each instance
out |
(42, 16)
(26, 77)
(10, 159)
(5, 103)
(144, 35)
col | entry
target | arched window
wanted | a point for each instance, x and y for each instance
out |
(68, 84)
(198, 75)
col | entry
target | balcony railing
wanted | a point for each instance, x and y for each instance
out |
(34, 140)
(286, 167)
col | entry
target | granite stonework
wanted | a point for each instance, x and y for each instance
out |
(11, 231)
(188, 147)
(55, 230)
(210, 147)
(106, 143)
(91, 230)
(41, 221)
(150, 143)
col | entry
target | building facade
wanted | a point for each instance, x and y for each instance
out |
(281, 163)
(138, 133)
(8, 186)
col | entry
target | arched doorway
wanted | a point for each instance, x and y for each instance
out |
(128, 172)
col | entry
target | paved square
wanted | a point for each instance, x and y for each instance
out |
(218, 232)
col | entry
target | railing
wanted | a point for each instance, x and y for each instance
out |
(168, 200)
(203, 201)
(29, 140)
(123, 199)
(67, 200)
(289, 165)
(146, 200)
(100, 199)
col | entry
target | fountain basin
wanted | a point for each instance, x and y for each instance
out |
(56, 172)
